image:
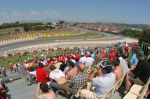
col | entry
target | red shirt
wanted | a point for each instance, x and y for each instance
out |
(126, 48)
(77, 56)
(103, 54)
(112, 55)
(42, 75)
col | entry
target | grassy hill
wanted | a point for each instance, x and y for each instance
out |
(10, 30)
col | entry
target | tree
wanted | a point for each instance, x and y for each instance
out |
(17, 23)
(145, 36)
(27, 27)
(131, 33)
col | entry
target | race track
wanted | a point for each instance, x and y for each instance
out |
(103, 39)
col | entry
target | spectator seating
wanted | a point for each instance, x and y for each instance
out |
(107, 95)
(119, 82)
(87, 94)
(114, 88)
(137, 91)
(110, 93)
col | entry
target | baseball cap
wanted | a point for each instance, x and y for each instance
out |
(107, 65)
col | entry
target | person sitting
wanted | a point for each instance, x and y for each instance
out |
(123, 64)
(118, 70)
(77, 58)
(30, 76)
(59, 80)
(46, 94)
(140, 74)
(79, 80)
(2, 92)
(134, 58)
(42, 75)
(72, 70)
(112, 54)
(89, 60)
(104, 80)
(63, 65)
(103, 54)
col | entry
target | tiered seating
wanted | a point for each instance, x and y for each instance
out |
(108, 95)
(137, 91)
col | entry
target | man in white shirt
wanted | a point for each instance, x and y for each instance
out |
(124, 65)
(59, 80)
(82, 59)
(57, 75)
(104, 80)
(89, 61)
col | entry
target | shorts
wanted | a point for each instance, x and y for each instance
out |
(136, 81)
(65, 87)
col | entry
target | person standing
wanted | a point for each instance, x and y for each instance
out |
(42, 75)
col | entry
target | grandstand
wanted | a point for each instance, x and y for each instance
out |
(56, 50)
(39, 53)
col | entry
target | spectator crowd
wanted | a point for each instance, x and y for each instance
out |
(85, 73)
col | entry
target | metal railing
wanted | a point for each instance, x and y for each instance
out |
(146, 48)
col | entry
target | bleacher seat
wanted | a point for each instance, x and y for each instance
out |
(119, 82)
(130, 96)
(137, 91)
(110, 93)
(87, 94)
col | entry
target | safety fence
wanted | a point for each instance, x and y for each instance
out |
(146, 48)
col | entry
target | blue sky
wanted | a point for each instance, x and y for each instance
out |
(120, 11)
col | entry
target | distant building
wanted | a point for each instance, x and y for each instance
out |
(136, 29)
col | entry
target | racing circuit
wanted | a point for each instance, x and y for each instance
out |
(102, 39)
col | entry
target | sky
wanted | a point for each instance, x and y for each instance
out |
(117, 11)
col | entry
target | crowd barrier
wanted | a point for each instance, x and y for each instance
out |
(146, 48)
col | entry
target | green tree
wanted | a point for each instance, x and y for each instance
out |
(131, 33)
(27, 27)
(145, 36)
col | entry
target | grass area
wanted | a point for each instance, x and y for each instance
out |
(20, 58)
(13, 59)
(71, 35)
(7, 30)
(87, 34)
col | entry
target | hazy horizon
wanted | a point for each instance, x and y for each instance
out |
(118, 11)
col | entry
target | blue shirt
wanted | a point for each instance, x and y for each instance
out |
(76, 63)
(134, 59)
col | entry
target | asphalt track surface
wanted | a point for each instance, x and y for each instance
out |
(49, 40)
